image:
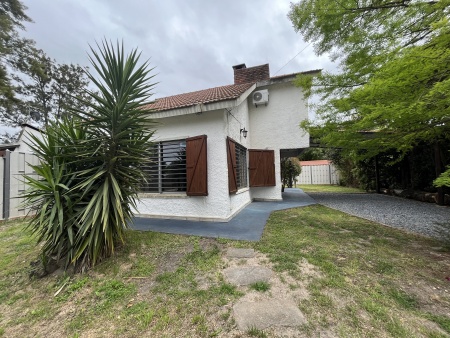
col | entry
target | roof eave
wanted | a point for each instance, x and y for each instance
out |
(286, 78)
(9, 146)
(203, 107)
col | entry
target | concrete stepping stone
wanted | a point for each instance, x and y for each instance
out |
(240, 253)
(269, 313)
(246, 275)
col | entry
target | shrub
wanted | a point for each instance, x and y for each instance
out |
(91, 165)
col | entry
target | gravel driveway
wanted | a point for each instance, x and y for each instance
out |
(419, 217)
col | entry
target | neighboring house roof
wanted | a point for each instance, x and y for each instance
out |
(9, 146)
(316, 162)
(31, 127)
(199, 97)
(20, 140)
(244, 79)
(26, 125)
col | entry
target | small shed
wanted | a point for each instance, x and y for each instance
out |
(318, 172)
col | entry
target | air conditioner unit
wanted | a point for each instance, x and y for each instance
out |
(261, 97)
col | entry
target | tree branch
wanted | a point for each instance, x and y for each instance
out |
(388, 5)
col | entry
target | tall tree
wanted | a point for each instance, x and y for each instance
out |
(30, 81)
(70, 89)
(49, 88)
(394, 59)
(12, 16)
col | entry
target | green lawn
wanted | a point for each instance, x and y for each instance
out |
(328, 188)
(350, 277)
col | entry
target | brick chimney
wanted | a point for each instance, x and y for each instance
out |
(242, 74)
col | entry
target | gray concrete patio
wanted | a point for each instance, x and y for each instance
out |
(247, 225)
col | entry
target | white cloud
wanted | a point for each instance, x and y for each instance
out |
(193, 44)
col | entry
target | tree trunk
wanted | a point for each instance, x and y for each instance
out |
(438, 168)
(377, 175)
(411, 169)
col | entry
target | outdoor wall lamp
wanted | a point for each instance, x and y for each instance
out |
(244, 132)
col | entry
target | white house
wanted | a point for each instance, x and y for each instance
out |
(24, 138)
(218, 149)
(15, 162)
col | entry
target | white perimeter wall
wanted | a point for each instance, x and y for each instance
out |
(2, 186)
(19, 165)
(276, 126)
(319, 174)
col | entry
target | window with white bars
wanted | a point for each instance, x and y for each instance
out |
(241, 166)
(167, 169)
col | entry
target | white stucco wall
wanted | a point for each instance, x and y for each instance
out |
(277, 124)
(275, 127)
(25, 138)
(236, 120)
(215, 206)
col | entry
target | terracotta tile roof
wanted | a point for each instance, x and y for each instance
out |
(201, 96)
(242, 74)
(229, 92)
(295, 74)
(316, 162)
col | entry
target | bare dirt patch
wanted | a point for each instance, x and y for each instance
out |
(283, 289)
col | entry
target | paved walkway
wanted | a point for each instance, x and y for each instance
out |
(276, 309)
(247, 225)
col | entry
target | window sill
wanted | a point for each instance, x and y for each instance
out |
(241, 191)
(167, 195)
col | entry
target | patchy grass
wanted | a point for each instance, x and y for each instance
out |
(350, 277)
(260, 286)
(254, 332)
(374, 281)
(329, 188)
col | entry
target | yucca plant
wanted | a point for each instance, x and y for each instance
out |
(92, 165)
(50, 195)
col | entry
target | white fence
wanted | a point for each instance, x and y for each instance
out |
(319, 174)
(13, 166)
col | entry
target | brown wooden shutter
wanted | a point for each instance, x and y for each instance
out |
(261, 168)
(231, 159)
(196, 166)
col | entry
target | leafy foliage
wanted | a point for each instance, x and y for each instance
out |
(91, 165)
(444, 179)
(51, 196)
(393, 85)
(48, 88)
(312, 154)
(290, 169)
(30, 81)
(12, 15)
